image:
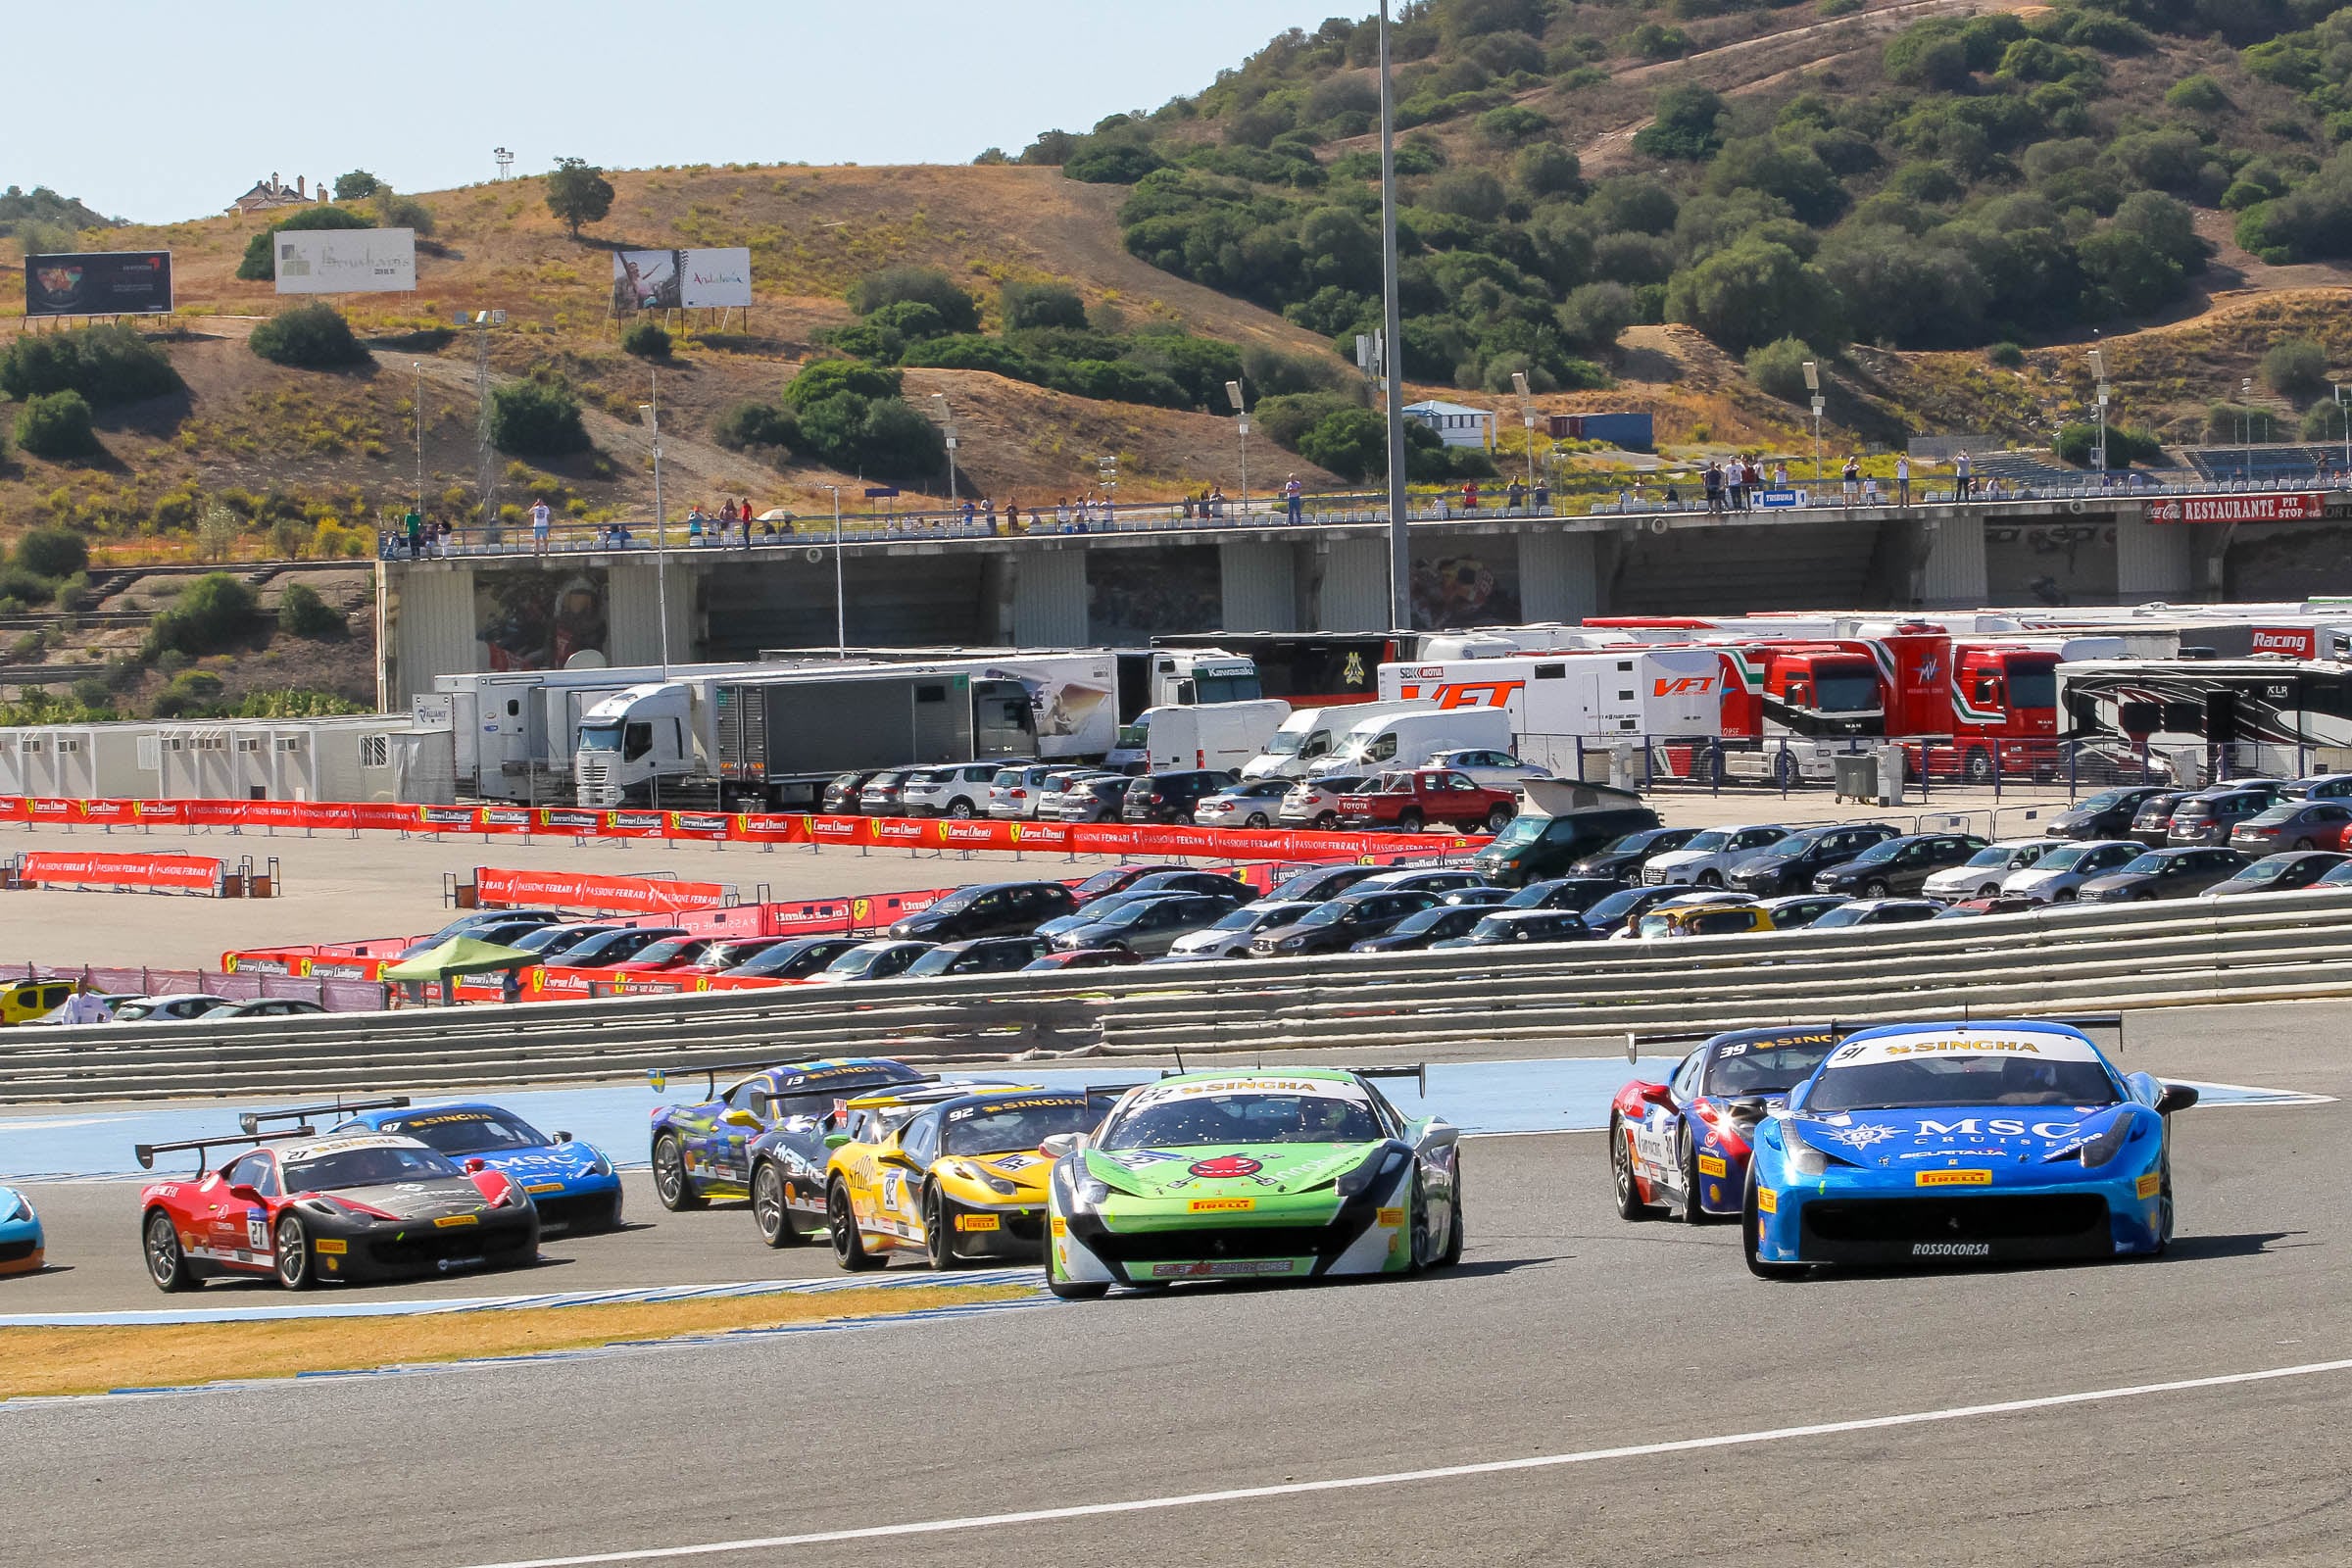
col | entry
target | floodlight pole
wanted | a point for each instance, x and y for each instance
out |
(1527, 417)
(841, 603)
(660, 530)
(1813, 385)
(1401, 553)
(417, 366)
(2346, 413)
(2098, 371)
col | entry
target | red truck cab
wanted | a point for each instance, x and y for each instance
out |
(1411, 800)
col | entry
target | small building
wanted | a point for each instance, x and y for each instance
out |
(269, 193)
(1457, 425)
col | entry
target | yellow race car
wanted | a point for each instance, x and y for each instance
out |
(950, 1171)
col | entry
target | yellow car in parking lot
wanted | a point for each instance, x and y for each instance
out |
(23, 1001)
(1704, 920)
(948, 1171)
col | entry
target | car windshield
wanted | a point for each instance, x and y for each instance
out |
(1413, 925)
(1242, 919)
(1615, 907)
(2033, 686)
(1005, 1125)
(1960, 1079)
(1518, 831)
(2066, 859)
(364, 1167)
(2105, 799)
(665, 950)
(466, 1132)
(1169, 1119)
(1845, 691)
(1990, 854)
(780, 957)
(1712, 839)
(550, 938)
(1883, 850)
(2270, 870)
(1327, 913)
(1765, 1068)
(1843, 914)
(860, 959)
(2275, 814)
(2148, 862)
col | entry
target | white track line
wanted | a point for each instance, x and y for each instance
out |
(1546, 1461)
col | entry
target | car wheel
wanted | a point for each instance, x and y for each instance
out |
(1621, 1171)
(611, 1216)
(961, 810)
(1257, 820)
(1499, 818)
(1709, 879)
(291, 1246)
(848, 1248)
(1988, 890)
(1409, 820)
(2063, 896)
(1977, 768)
(937, 1240)
(1327, 820)
(2164, 1195)
(670, 1183)
(2302, 844)
(1784, 771)
(1691, 1211)
(1874, 889)
(1459, 1232)
(167, 1265)
(1751, 1233)
(769, 1211)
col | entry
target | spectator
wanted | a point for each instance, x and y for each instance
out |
(510, 985)
(1543, 496)
(414, 522)
(767, 530)
(1186, 510)
(1780, 474)
(1854, 478)
(1870, 490)
(542, 522)
(1962, 484)
(1903, 480)
(1674, 495)
(1013, 515)
(693, 526)
(1294, 500)
(82, 1007)
(1713, 478)
(1470, 495)
(988, 512)
(968, 511)
(1216, 501)
(1061, 515)
(1517, 497)
(1735, 483)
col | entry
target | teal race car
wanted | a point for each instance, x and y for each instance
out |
(1251, 1175)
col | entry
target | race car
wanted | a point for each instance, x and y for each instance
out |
(705, 1150)
(1255, 1175)
(300, 1208)
(1683, 1144)
(949, 1171)
(21, 1246)
(1994, 1141)
(571, 1184)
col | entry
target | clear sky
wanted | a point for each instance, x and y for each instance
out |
(188, 104)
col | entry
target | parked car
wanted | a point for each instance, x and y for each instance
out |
(1148, 926)
(1481, 897)
(1317, 883)
(977, 956)
(2105, 815)
(1062, 785)
(498, 933)
(959, 790)
(1789, 865)
(1441, 879)
(1013, 795)
(2058, 876)
(1228, 937)
(1409, 802)
(263, 1007)
(1983, 873)
(1795, 912)
(1081, 959)
(1620, 859)
(2287, 872)
(1620, 909)
(1248, 804)
(2321, 824)
(795, 959)
(466, 925)
(1489, 767)
(728, 953)
(2208, 819)
(672, 952)
(1511, 927)
(988, 910)
(1996, 904)
(1096, 800)
(2319, 787)
(176, 1008)
(2153, 822)
(617, 946)
(2174, 874)
(1342, 922)
(1171, 797)
(1315, 802)
(878, 960)
(1118, 879)
(1878, 911)
(1532, 846)
(843, 789)
(1574, 894)
(1438, 923)
(1898, 866)
(1704, 920)
(883, 793)
(1710, 855)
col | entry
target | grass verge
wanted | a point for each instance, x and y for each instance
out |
(92, 1360)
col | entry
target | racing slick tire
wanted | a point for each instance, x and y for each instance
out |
(769, 1212)
(848, 1248)
(1456, 1232)
(1691, 1211)
(167, 1264)
(1621, 1170)
(671, 1185)
(939, 1241)
(1749, 1226)
(291, 1255)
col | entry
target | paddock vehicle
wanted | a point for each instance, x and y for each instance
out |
(959, 790)
(1118, 879)
(1315, 802)
(1798, 910)
(707, 1149)
(1710, 857)
(1248, 804)
(1410, 802)
(1791, 865)
(23, 1000)
(2058, 876)
(2151, 826)
(1898, 865)
(1683, 1144)
(1096, 800)
(1981, 874)
(571, 1184)
(1268, 1174)
(299, 1208)
(949, 1171)
(1620, 859)
(2284, 872)
(1560, 822)
(2179, 873)
(1623, 909)
(1170, 796)
(1971, 1142)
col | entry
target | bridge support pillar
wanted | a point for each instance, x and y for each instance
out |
(1950, 575)
(1261, 586)
(1048, 599)
(634, 615)
(425, 628)
(1558, 576)
(2158, 560)
(1351, 585)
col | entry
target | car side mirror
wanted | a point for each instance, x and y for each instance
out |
(2175, 1097)
(836, 1140)
(474, 1167)
(244, 1193)
(1060, 1144)
(1658, 1094)
(563, 1138)
(741, 1119)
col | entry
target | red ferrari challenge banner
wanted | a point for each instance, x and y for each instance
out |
(169, 873)
(574, 889)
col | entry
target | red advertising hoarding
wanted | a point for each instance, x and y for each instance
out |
(2290, 507)
(168, 873)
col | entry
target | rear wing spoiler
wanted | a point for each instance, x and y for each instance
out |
(146, 1153)
(1418, 1072)
(2087, 1022)
(659, 1077)
(253, 1121)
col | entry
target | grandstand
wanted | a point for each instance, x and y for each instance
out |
(2269, 465)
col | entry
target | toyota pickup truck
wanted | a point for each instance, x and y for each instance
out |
(1428, 796)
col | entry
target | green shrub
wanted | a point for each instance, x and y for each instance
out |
(1596, 315)
(2008, 356)
(56, 426)
(212, 613)
(1511, 124)
(25, 587)
(300, 613)
(106, 364)
(259, 266)
(2078, 443)
(2200, 94)
(648, 340)
(1114, 165)
(928, 286)
(1778, 369)
(831, 378)
(395, 211)
(1285, 420)
(310, 337)
(1653, 41)
(93, 694)
(537, 419)
(1350, 442)
(2326, 421)
(867, 339)
(1547, 169)
(755, 425)
(2296, 368)
(1684, 126)
(74, 592)
(1028, 305)
(191, 691)
(912, 320)
(53, 552)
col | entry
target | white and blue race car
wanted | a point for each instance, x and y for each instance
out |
(1944, 1143)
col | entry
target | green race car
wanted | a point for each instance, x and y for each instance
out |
(1256, 1175)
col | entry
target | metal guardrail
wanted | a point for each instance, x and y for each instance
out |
(2074, 957)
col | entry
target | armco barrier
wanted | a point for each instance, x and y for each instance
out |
(2267, 948)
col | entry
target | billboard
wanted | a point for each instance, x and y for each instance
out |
(681, 280)
(345, 261)
(100, 283)
(2289, 507)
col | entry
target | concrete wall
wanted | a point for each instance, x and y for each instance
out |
(1261, 584)
(1559, 578)
(1953, 575)
(1353, 593)
(2154, 560)
(1048, 599)
(434, 629)
(635, 613)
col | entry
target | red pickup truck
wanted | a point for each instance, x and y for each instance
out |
(1412, 802)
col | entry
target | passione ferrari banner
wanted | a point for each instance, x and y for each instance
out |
(160, 873)
(577, 890)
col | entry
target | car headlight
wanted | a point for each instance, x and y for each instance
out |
(1801, 1157)
(2110, 1142)
(984, 1176)
(597, 1164)
(1382, 1164)
(1081, 1194)
(16, 1208)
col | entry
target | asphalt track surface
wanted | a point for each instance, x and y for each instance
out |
(1580, 1389)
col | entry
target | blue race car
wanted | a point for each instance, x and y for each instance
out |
(21, 1248)
(1963, 1142)
(703, 1152)
(1683, 1144)
(573, 1185)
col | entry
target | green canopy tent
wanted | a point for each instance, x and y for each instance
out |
(456, 956)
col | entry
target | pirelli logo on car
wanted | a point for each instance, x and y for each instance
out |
(1954, 1178)
(1391, 1216)
(2150, 1185)
(978, 1222)
(1768, 1202)
(1711, 1165)
(452, 1221)
(329, 1247)
(1060, 1226)
(536, 1188)
(1222, 1205)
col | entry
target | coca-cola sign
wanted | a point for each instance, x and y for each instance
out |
(2286, 508)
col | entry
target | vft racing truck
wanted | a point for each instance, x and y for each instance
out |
(1602, 707)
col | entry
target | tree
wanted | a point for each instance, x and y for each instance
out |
(958, 311)
(1593, 316)
(357, 186)
(1779, 369)
(828, 378)
(1754, 293)
(215, 610)
(1684, 125)
(1118, 163)
(2296, 368)
(578, 193)
(107, 364)
(53, 553)
(313, 336)
(1547, 169)
(300, 613)
(744, 425)
(56, 426)
(395, 211)
(1028, 305)
(1466, 193)
(648, 340)
(259, 266)
(537, 419)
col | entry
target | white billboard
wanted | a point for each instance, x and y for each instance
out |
(674, 281)
(346, 261)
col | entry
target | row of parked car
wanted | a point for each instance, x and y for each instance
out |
(45, 1001)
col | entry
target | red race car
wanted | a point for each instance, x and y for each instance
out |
(1683, 1144)
(301, 1208)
